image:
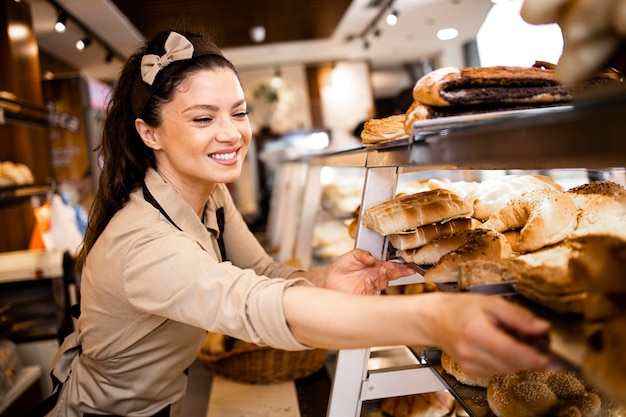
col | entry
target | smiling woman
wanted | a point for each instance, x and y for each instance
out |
(167, 257)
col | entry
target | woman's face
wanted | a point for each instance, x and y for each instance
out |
(205, 132)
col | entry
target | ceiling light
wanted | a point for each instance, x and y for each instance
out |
(257, 34)
(392, 18)
(447, 34)
(59, 26)
(83, 43)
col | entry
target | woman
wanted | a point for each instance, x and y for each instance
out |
(155, 278)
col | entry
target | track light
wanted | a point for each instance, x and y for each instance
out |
(392, 18)
(59, 26)
(83, 43)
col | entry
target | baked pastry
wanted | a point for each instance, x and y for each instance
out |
(488, 271)
(534, 393)
(602, 208)
(450, 86)
(382, 130)
(493, 194)
(429, 404)
(544, 217)
(477, 244)
(453, 368)
(415, 210)
(420, 236)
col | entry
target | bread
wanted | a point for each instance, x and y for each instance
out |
(453, 368)
(450, 86)
(534, 393)
(488, 271)
(415, 210)
(545, 216)
(602, 208)
(477, 244)
(490, 195)
(424, 234)
(382, 130)
(431, 253)
(548, 279)
(429, 404)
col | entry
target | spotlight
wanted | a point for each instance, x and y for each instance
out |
(83, 43)
(59, 26)
(392, 18)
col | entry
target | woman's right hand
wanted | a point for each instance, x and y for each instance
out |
(479, 332)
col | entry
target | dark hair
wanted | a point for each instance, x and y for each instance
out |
(124, 156)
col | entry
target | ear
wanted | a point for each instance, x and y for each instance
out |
(147, 134)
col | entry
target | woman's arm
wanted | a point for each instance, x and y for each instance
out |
(467, 326)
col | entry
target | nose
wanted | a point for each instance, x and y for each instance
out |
(228, 131)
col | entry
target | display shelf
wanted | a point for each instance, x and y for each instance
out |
(18, 194)
(586, 134)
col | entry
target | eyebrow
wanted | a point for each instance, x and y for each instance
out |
(212, 107)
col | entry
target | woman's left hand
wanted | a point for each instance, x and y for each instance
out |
(358, 272)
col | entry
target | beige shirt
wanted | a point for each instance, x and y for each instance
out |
(151, 291)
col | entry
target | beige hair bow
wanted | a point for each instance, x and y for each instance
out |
(177, 48)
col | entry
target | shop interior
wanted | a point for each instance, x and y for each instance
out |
(305, 179)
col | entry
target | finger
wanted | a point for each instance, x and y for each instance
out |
(580, 61)
(364, 257)
(541, 12)
(518, 319)
(397, 270)
(586, 19)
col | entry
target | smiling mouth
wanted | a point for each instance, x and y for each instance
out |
(224, 156)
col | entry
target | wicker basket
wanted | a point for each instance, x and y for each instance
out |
(254, 364)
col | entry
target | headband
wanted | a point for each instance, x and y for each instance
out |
(155, 69)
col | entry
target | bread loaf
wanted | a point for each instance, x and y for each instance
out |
(602, 209)
(422, 235)
(415, 210)
(493, 194)
(488, 271)
(429, 404)
(477, 244)
(545, 216)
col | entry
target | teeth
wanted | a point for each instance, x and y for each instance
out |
(224, 156)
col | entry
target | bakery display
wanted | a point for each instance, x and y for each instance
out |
(12, 173)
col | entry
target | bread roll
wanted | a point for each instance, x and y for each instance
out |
(602, 209)
(490, 195)
(431, 253)
(477, 244)
(453, 368)
(535, 393)
(424, 234)
(415, 210)
(382, 130)
(545, 217)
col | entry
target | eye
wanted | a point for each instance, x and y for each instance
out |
(241, 114)
(204, 119)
